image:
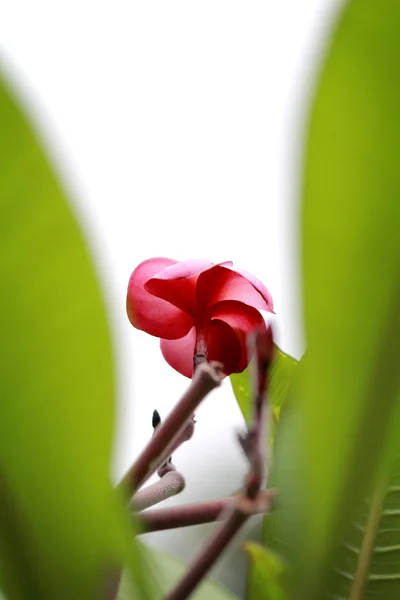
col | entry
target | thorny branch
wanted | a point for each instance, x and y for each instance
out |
(245, 503)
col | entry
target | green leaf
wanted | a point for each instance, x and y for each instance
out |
(334, 439)
(367, 563)
(266, 574)
(61, 531)
(167, 570)
(281, 373)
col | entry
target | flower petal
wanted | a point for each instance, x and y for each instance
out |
(242, 319)
(184, 268)
(260, 287)
(223, 283)
(179, 353)
(177, 283)
(223, 345)
(154, 315)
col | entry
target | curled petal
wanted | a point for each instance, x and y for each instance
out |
(259, 286)
(179, 353)
(223, 345)
(242, 319)
(177, 283)
(154, 315)
(184, 268)
(223, 283)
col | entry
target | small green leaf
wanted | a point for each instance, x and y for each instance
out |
(62, 532)
(265, 580)
(281, 373)
(167, 570)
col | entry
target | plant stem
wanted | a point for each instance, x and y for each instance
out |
(185, 434)
(206, 377)
(198, 514)
(208, 556)
(169, 485)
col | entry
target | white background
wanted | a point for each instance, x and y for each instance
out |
(177, 126)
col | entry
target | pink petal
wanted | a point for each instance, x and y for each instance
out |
(242, 319)
(179, 353)
(223, 283)
(223, 345)
(177, 283)
(185, 268)
(154, 315)
(260, 287)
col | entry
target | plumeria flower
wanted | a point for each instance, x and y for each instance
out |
(197, 308)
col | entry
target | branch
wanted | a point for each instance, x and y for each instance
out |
(247, 500)
(198, 514)
(261, 343)
(185, 435)
(171, 482)
(169, 434)
(169, 485)
(206, 559)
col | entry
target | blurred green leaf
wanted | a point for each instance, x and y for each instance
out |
(367, 561)
(281, 374)
(61, 532)
(367, 564)
(167, 570)
(351, 259)
(266, 574)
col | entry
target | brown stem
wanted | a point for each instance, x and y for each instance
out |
(248, 499)
(207, 558)
(185, 435)
(198, 514)
(206, 377)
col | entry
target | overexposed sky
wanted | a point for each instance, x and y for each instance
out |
(177, 126)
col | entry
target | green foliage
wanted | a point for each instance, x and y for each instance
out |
(281, 373)
(332, 442)
(61, 532)
(266, 574)
(166, 571)
(367, 564)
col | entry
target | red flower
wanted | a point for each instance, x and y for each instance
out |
(197, 307)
